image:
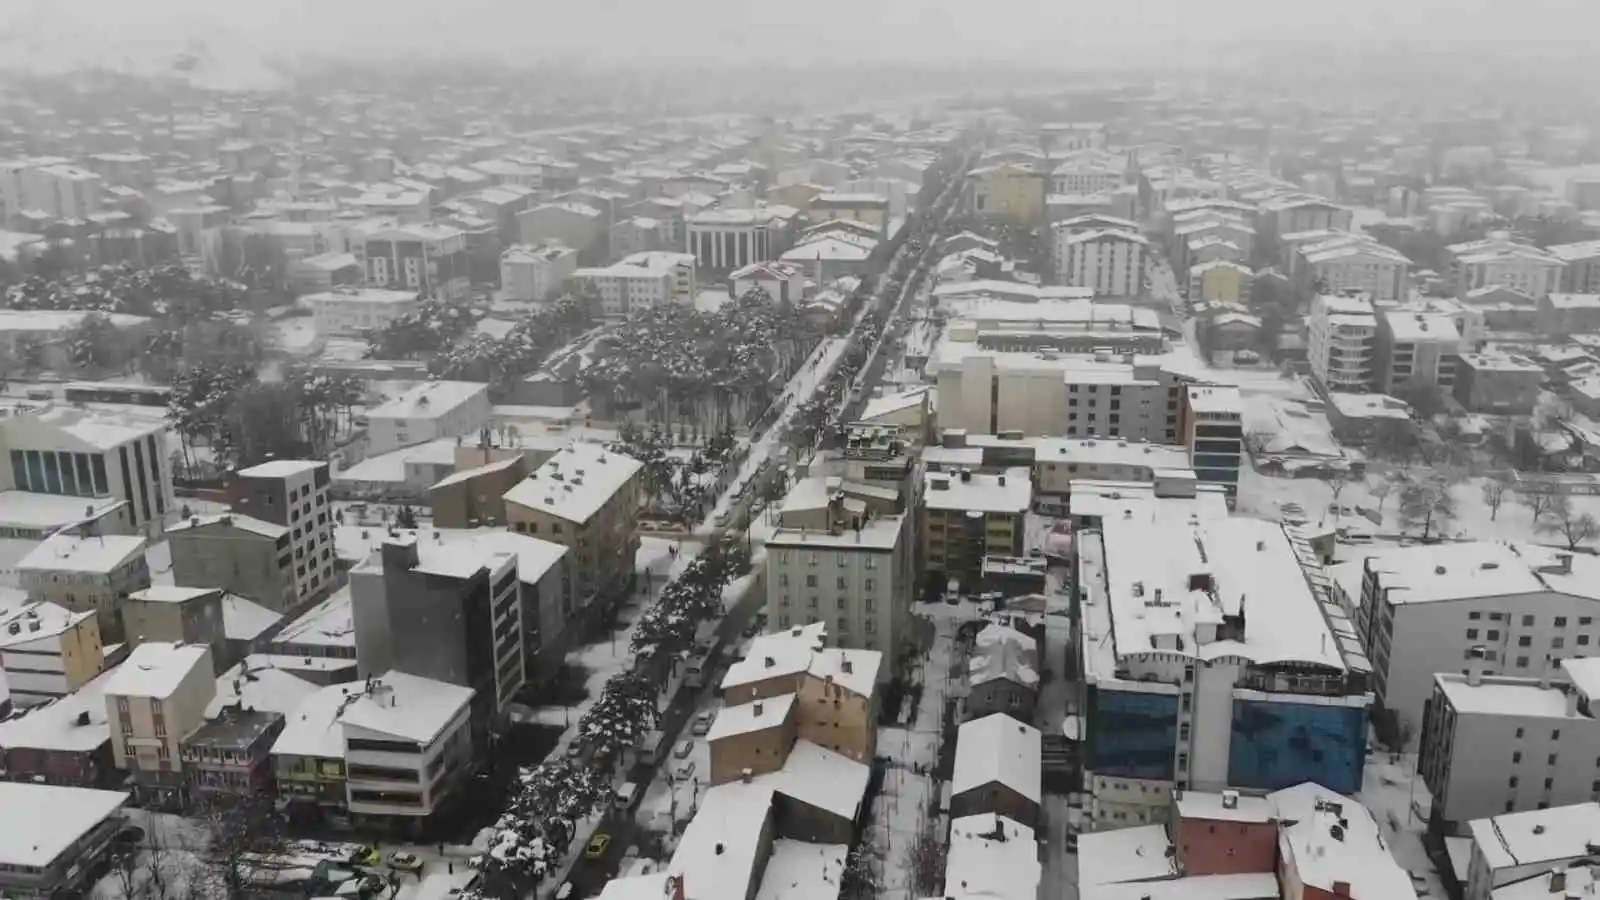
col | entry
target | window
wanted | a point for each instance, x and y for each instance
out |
(1525, 641)
(1472, 635)
(1516, 757)
(811, 581)
(1561, 621)
(1519, 737)
(783, 580)
(1493, 635)
(1522, 662)
(869, 584)
(1583, 640)
(1555, 735)
(840, 581)
(1474, 616)
(1527, 621)
(1549, 783)
(1551, 760)
(1512, 782)
(1586, 620)
(1557, 643)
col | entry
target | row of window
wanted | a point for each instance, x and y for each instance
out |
(811, 582)
(867, 603)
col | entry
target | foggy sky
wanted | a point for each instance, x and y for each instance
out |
(131, 33)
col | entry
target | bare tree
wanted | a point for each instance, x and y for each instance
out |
(1494, 494)
(1256, 441)
(1539, 502)
(1565, 520)
(1380, 492)
(242, 831)
(1337, 482)
(1428, 506)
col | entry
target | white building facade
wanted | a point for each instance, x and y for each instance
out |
(353, 311)
(535, 272)
(1341, 342)
(1111, 261)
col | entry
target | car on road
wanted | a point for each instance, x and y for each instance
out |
(683, 750)
(702, 725)
(405, 862)
(683, 772)
(597, 845)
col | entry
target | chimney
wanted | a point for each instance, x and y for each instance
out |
(845, 665)
(1230, 799)
(1438, 570)
(1341, 888)
(757, 710)
(746, 775)
(770, 662)
(1558, 880)
(1477, 661)
(720, 848)
(1001, 480)
(1563, 564)
(1572, 701)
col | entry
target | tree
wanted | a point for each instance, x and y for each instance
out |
(1494, 494)
(30, 355)
(1539, 497)
(1565, 520)
(1392, 439)
(93, 346)
(241, 830)
(405, 517)
(1424, 397)
(1427, 505)
(1380, 492)
(1337, 482)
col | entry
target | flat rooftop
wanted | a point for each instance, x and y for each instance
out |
(576, 482)
(37, 840)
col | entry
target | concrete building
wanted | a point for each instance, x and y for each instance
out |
(230, 755)
(408, 746)
(967, 516)
(574, 225)
(1008, 191)
(352, 311)
(1360, 264)
(82, 453)
(426, 412)
(1581, 273)
(55, 839)
(752, 737)
(1193, 683)
(724, 240)
(1416, 350)
(640, 281)
(532, 272)
(783, 282)
(1220, 281)
(1303, 212)
(65, 742)
(1003, 674)
(1492, 745)
(1533, 854)
(308, 758)
(1423, 609)
(49, 185)
(293, 493)
(836, 690)
(867, 208)
(426, 259)
(87, 574)
(1213, 433)
(1112, 261)
(154, 700)
(585, 498)
(1497, 383)
(997, 770)
(1342, 342)
(1498, 260)
(177, 615)
(456, 620)
(1561, 314)
(476, 496)
(240, 554)
(47, 652)
(992, 856)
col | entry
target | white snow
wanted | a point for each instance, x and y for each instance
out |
(991, 856)
(575, 483)
(997, 749)
(254, 685)
(414, 708)
(244, 619)
(155, 670)
(37, 840)
(330, 623)
(1123, 855)
(311, 729)
(98, 555)
(797, 870)
(756, 715)
(54, 726)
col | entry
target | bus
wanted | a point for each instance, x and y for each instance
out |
(111, 392)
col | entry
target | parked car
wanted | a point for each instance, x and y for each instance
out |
(597, 845)
(683, 772)
(405, 862)
(683, 750)
(702, 725)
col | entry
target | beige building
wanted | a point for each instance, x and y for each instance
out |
(868, 209)
(836, 690)
(753, 737)
(185, 615)
(967, 516)
(87, 574)
(476, 496)
(48, 651)
(237, 553)
(154, 700)
(585, 498)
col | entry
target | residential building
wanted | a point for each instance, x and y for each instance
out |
(327, 272)
(753, 737)
(1359, 264)
(1416, 350)
(725, 240)
(50, 185)
(239, 554)
(1303, 212)
(867, 208)
(407, 748)
(425, 259)
(1561, 314)
(453, 618)
(48, 651)
(1498, 260)
(574, 225)
(1536, 848)
(350, 311)
(81, 453)
(1213, 432)
(308, 758)
(1112, 261)
(65, 741)
(535, 271)
(1009, 191)
(1500, 744)
(585, 498)
(1220, 281)
(637, 234)
(293, 493)
(426, 412)
(1003, 674)
(54, 840)
(967, 516)
(1194, 683)
(835, 689)
(154, 700)
(476, 496)
(1342, 342)
(639, 282)
(992, 856)
(230, 755)
(1423, 609)
(783, 282)
(1081, 176)
(997, 770)
(177, 615)
(1497, 383)
(87, 574)
(1581, 274)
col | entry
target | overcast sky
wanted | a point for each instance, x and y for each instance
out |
(808, 32)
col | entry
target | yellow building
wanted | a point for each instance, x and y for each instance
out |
(585, 498)
(1219, 281)
(308, 756)
(969, 515)
(48, 651)
(798, 195)
(1013, 192)
(154, 700)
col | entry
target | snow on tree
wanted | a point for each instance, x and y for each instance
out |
(625, 711)
(537, 827)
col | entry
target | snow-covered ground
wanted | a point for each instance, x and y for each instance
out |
(296, 335)
(1396, 797)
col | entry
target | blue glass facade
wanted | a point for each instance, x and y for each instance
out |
(1132, 735)
(1278, 745)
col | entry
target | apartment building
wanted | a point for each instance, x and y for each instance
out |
(178, 615)
(74, 452)
(65, 742)
(1342, 341)
(1356, 263)
(1084, 177)
(407, 747)
(1287, 702)
(239, 554)
(1534, 854)
(426, 412)
(640, 281)
(870, 209)
(532, 272)
(1492, 745)
(725, 240)
(574, 225)
(1563, 314)
(1498, 383)
(293, 493)
(1581, 270)
(1220, 281)
(230, 755)
(476, 496)
(426, 259)
(154, 700)
(48, 651)
(783, 282)
(1009, 191)
(1416, 348)
(1424, 609)
(967, 516)
(1303, 212)
(835, 689)
(1111, 261)
(49, 185)
(1498, 260)
(585, 498)
(453, 618)
(87, 574)
(1003, 674)
(56, 839)
(308, 758)
(350, 311)
(997, 770)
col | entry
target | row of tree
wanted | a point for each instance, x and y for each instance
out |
(226, 416)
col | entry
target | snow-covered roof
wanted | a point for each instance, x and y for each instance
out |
(282, 468)
(1008, 492)
(721, 846)
(1244, 886)
(170, 593)
(798, 870)
(36, 620)
(1215, 399)
(1475, 569)
(853, 670)
(821, 778)
(1003, 652)
(576, 482)
(244, 619)
(997, 749)
(27, 510)
(38, 840)
(1125, 855)
(408, 707)
(312, 727)
(256, 684)
(1582, 879)
(790, 650)
(329, 623)
(1214, 807)
(475, 471)
(1108, 452)
(1537, 836)
(55, 725)
(42, 320)
(991, 857)
(1356, 855)
(893, 403)
(429, 400)
(156, 669)
(99, 555)
(829, 247)
(743, 718)
(459, 550)
(234, 520)
(100, 430)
